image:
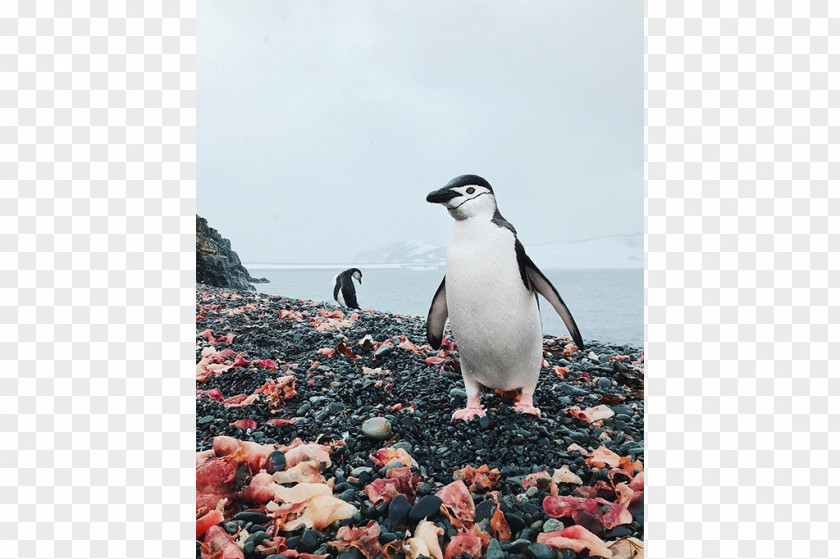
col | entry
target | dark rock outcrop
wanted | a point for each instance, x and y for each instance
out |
(216, 263)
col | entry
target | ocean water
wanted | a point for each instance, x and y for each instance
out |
(608, 305)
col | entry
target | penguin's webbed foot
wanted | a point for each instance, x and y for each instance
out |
(526, 404)
(468, 413)
(527, 408)
(473, 409)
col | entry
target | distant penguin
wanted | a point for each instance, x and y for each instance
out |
(344, 292)
(489, 295)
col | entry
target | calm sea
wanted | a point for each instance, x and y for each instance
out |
(608, 305)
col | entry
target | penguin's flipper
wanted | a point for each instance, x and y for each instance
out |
(438, 313)
(533, 276)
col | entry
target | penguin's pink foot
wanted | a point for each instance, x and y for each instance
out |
(473, 409)
(530, 410)
(526, 405)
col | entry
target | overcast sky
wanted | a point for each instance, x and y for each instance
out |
(322, 125)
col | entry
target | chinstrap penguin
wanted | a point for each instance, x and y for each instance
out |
(489, 295)
(344, 292)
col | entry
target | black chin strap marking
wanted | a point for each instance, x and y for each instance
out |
(468, 199)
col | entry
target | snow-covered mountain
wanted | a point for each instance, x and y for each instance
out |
(615, 251)
(412, 251)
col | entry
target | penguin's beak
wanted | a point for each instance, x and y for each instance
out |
(442, 196)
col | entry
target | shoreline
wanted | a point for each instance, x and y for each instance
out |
(346, 369)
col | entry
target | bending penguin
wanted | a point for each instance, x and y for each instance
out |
(344, 292)
(489, 295)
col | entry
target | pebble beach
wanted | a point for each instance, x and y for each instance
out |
(326, 432)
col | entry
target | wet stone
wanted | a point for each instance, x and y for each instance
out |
(494, 550)
(386, 537)
(485, 510)
(519, 546)
(255, 517)
(309, 541)
(384, 351)
(377, 428)
(206, 419)
(398, 511)
(552, 525)
(276, 462)
(426, 507)
(532, 509)
(515, 522)
(527, 534)
(540, 551)
(617, 532)
(406, 446)
(457, 393)
(257, 537)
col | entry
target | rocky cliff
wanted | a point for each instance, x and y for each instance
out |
(216, 263)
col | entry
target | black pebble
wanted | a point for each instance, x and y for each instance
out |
(255, 517)
(386, 537)
(494, 550)
(309, 541)
(541, 551)
(519, 546)
(617, 532)
(532, 509)
(426, 507)
(398, 511)
(351, 553)
(384, 350)
(257, 537)
(485, 510)
(515, 522)
(276, 462)
(527, 534)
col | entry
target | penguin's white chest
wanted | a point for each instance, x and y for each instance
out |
(494, 317)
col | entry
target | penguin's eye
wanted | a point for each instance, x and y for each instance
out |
(470, 190)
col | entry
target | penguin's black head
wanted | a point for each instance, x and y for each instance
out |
(355, 273)
(465, 196)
